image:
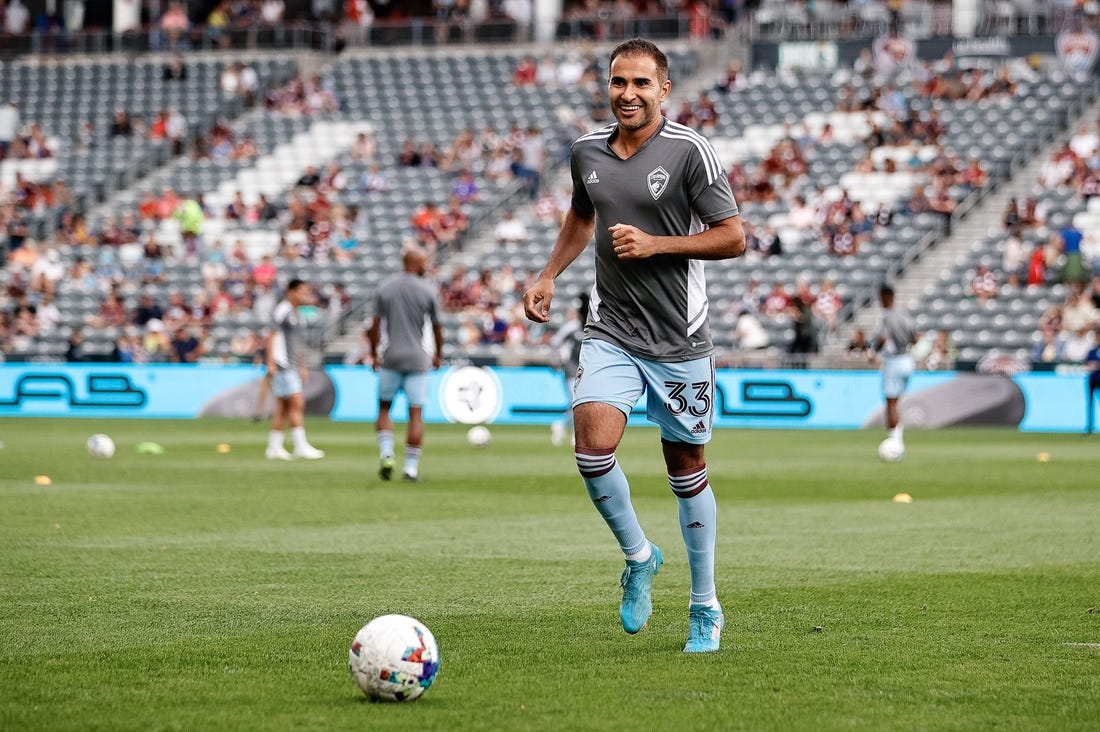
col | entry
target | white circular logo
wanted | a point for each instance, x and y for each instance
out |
(470, 395)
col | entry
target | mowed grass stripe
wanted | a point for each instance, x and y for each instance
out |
(204, 591)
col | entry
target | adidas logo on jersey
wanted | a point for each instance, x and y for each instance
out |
(592, 178)
(699, 429)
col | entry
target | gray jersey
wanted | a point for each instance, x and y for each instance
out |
(287, 346)
(408, 307)
(896, 332)
(674, 185)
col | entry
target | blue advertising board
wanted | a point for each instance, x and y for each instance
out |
(787, 399)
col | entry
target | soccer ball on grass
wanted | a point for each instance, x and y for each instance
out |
(478, 436)
(891, 450)
(100, 446)
(394, 658)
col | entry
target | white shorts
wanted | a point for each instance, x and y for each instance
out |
(896, 371)
(286, 383)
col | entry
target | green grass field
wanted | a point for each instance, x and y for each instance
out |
(205, 591)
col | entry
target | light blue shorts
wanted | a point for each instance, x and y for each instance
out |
(286, 383)
(413, 383)
(680, 395)
(896, 371)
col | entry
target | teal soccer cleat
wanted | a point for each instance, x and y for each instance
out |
(637, 583)
(705, 629)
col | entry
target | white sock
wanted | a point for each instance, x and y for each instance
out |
(298, 437)
(896, 432)
(641, 556)
(385, 443)
(712, 603)
(412, 461)
(274, 439)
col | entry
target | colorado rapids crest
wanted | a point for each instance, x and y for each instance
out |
(658, 182)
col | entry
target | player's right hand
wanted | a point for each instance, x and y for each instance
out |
(536, 301)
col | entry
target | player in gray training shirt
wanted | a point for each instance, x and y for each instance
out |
(890, 345)
(656, 198)
(407, 333)
(287, 370)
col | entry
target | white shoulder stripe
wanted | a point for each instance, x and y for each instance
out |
(603, 132)
(710, 158)
(706, 150)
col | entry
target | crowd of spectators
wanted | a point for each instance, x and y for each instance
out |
(1039, 248)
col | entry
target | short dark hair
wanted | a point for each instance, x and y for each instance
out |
(886, 291)
(294, 284)
(642, 47)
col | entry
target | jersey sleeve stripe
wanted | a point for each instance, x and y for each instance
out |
(706, 151)
(601, 133)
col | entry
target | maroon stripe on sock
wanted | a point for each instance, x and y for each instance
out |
(602, 468)
(686, 471)
(691, 492)
(688, 483)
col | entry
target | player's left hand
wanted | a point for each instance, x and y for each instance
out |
(630, 242)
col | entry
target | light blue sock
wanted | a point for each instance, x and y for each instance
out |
(385, 443)
(699, 525)
(610, 491)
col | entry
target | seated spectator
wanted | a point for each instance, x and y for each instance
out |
(1049, 348)
(186, 348)
(334, 179)
(364, 148)
(1014, 258)
(155, 343)
(941, 352)
(409, 157)
(175, 69)
(974, 176)
(146, 310)
(74, 351)
(453, 222)
(510, 230)
(765, 242)
(111, 314)
(425, 223)
(526, 71)
(984, 286)
(265, 209)
(245, 149)
(827, 305)
(121, 125)
(858, 346)
(777, 301)
(374, 179)
(1077, 311)
(465, 187)
(174, 24)
(749, 334)
(310, 178)
(236, 209)
(1077, 344)
(46, 314)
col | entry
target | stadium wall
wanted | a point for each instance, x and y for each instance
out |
(1042, 402)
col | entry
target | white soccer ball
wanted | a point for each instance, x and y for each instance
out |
(100, 446)
(394, 658)
(891, 450)
(479, 436)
